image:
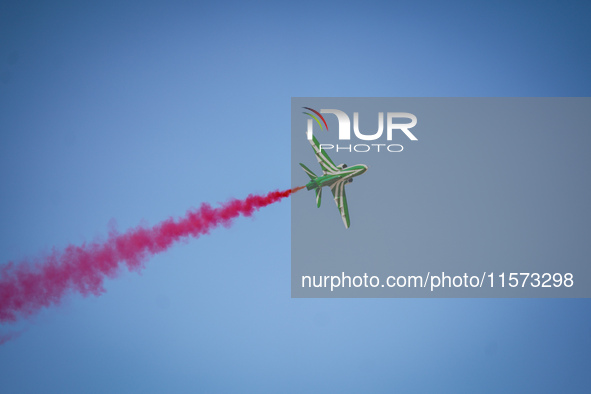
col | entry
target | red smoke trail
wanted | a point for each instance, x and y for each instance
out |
(26, 288)
(7, 337)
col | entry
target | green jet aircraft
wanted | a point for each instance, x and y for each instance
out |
(333, 176)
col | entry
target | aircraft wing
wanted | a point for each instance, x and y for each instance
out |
(338, 191)
(323, 159)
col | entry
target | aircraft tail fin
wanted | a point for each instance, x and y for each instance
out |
(308, 171)
(318, 196)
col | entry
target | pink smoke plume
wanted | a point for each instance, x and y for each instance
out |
(26, 288)
(7, 337)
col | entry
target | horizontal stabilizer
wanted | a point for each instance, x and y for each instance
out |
(318, 196)
(308, 171)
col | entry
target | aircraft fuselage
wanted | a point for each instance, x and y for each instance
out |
(343, 174)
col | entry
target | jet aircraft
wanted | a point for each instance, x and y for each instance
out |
(333, 176)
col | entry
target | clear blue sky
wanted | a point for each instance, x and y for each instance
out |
(138, 112)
